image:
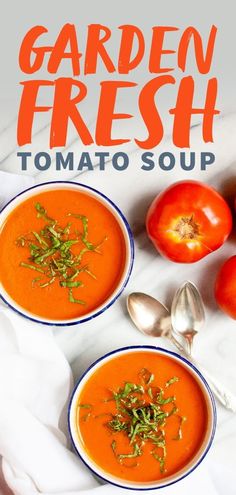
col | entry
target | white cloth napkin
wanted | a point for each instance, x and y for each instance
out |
(12, 184)
(35, 384)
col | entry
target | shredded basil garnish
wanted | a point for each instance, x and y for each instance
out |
(161, 461)
(42, 213)
(113, 446)
(32, 267)
(142, 413)
(179, 435)
(136, 453)
(174, 379)
(51, 254)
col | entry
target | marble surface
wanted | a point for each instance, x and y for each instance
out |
(133, 190)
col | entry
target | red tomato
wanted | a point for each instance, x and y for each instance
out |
(188, 221)
(225, 287)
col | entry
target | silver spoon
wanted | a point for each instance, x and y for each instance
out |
(153, 318)
(187, 312)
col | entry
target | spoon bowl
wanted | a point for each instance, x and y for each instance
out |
(187, 312)
(149, 315)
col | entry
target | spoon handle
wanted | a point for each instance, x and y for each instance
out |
(179, 346)
(224, 396)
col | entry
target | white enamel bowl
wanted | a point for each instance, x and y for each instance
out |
(188, 468)
(126, 231)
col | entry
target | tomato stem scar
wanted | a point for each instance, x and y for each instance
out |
(187, 228)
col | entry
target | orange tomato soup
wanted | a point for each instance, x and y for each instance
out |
(99, 268)
(97, 411)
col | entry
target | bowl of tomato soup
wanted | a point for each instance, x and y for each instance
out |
(66, 253)
(142, 417)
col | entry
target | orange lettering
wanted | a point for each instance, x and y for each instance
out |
(157, 50)
(64, 108)
(106, 113)
(27, 110)
(95, 47)
(67, 35)
(150, 113)
(27, 47)
(184, 110)
(125, 64)
(204, 64)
